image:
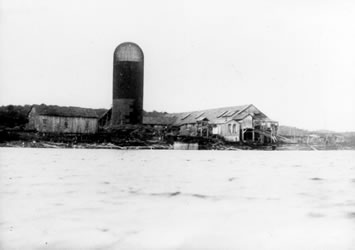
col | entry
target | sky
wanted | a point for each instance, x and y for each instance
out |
(294, 60)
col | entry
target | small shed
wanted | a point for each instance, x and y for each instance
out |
(56, 119)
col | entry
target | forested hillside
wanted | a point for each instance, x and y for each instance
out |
(13, 116)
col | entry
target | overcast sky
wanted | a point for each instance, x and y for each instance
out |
(294, 60)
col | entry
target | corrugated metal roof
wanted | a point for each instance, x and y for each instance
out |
(201, 118)
(213, 115)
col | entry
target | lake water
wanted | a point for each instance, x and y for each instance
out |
(112, 199)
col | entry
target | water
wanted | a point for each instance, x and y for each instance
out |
(111, 199)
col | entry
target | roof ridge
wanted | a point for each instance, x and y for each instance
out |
(54, 105)
(214, 109)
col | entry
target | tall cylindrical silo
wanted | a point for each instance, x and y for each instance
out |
(128, 65)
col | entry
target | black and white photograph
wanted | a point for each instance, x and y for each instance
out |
(177, 125)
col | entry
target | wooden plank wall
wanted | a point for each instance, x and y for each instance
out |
(57, 124)
(226, 130)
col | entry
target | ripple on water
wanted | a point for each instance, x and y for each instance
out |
(316, 215)
(350, 215)
(316, 179)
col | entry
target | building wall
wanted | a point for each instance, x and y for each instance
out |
(56, 124)
(188, 129)
(247, 122)
(230, 131)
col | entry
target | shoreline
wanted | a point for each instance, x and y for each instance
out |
(158, 145)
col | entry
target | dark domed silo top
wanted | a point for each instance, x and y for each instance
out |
(130, 52)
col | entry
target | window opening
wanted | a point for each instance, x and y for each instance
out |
(87, 125)
(184, 117)
(199, 115)
(230, 113)
(222, 113)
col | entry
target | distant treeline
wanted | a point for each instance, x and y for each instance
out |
(296, 132)
(14, 116)
(292, 131)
